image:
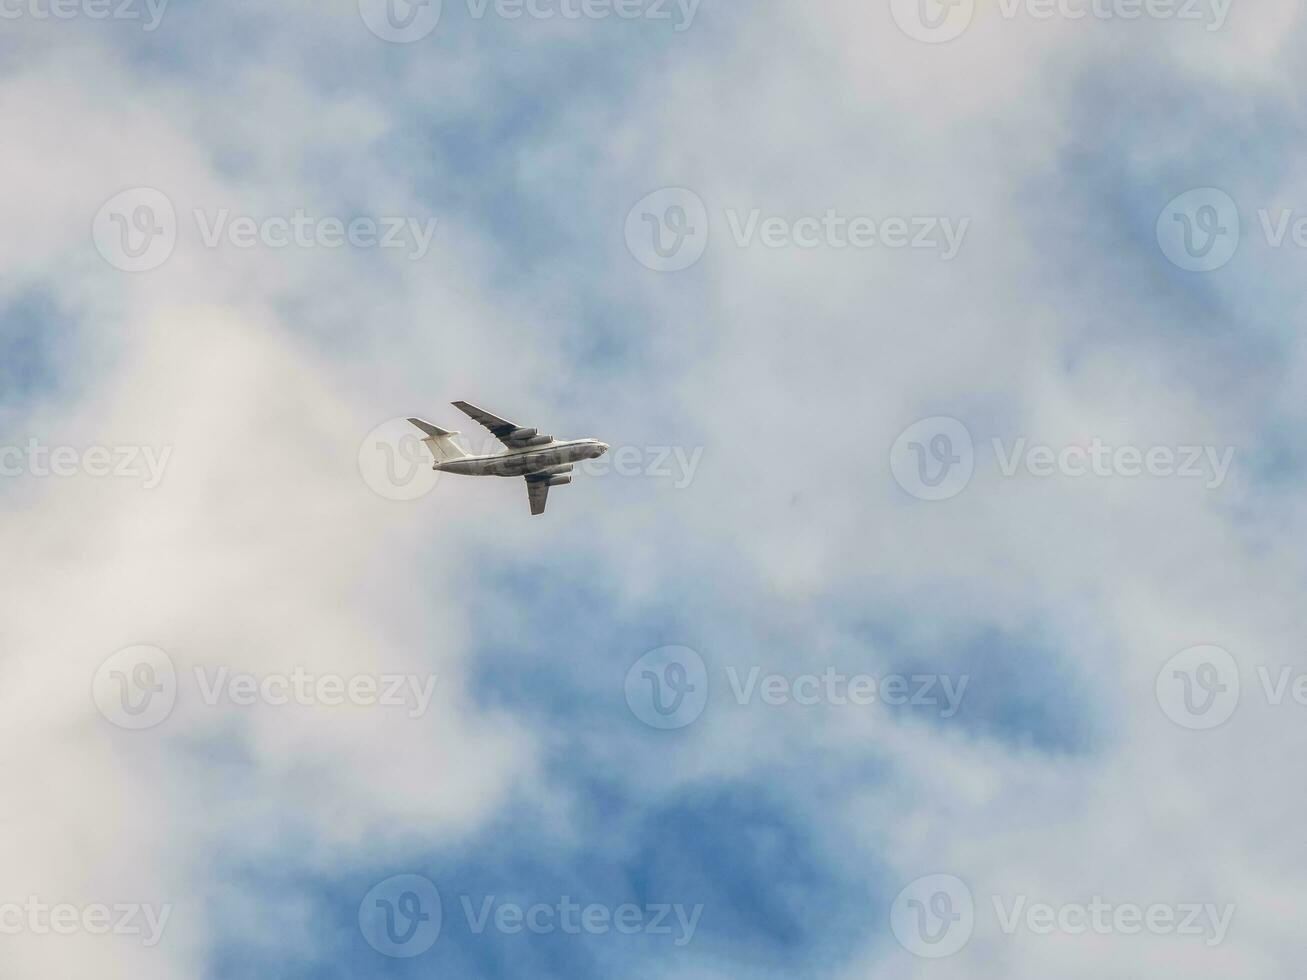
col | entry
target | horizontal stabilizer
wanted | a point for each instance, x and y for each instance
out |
(434, 431)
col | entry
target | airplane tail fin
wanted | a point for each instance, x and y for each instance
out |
(440, 442)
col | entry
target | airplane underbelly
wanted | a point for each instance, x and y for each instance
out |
(481, 467)
(533, 462)
(516, 465)
(463, 467)
(510, 466)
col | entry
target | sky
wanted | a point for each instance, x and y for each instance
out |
(935, 614)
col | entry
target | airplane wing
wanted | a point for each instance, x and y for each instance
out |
(538, 491)
(539, 482)
(511, 434)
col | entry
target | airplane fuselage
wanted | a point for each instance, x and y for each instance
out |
(519, 462)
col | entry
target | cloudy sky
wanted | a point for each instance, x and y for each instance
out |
(936, 614)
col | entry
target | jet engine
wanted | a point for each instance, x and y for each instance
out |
(549, 473)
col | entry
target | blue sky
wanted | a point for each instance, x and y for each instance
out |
(780, 410)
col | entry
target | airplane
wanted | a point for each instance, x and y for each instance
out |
(543, 460)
